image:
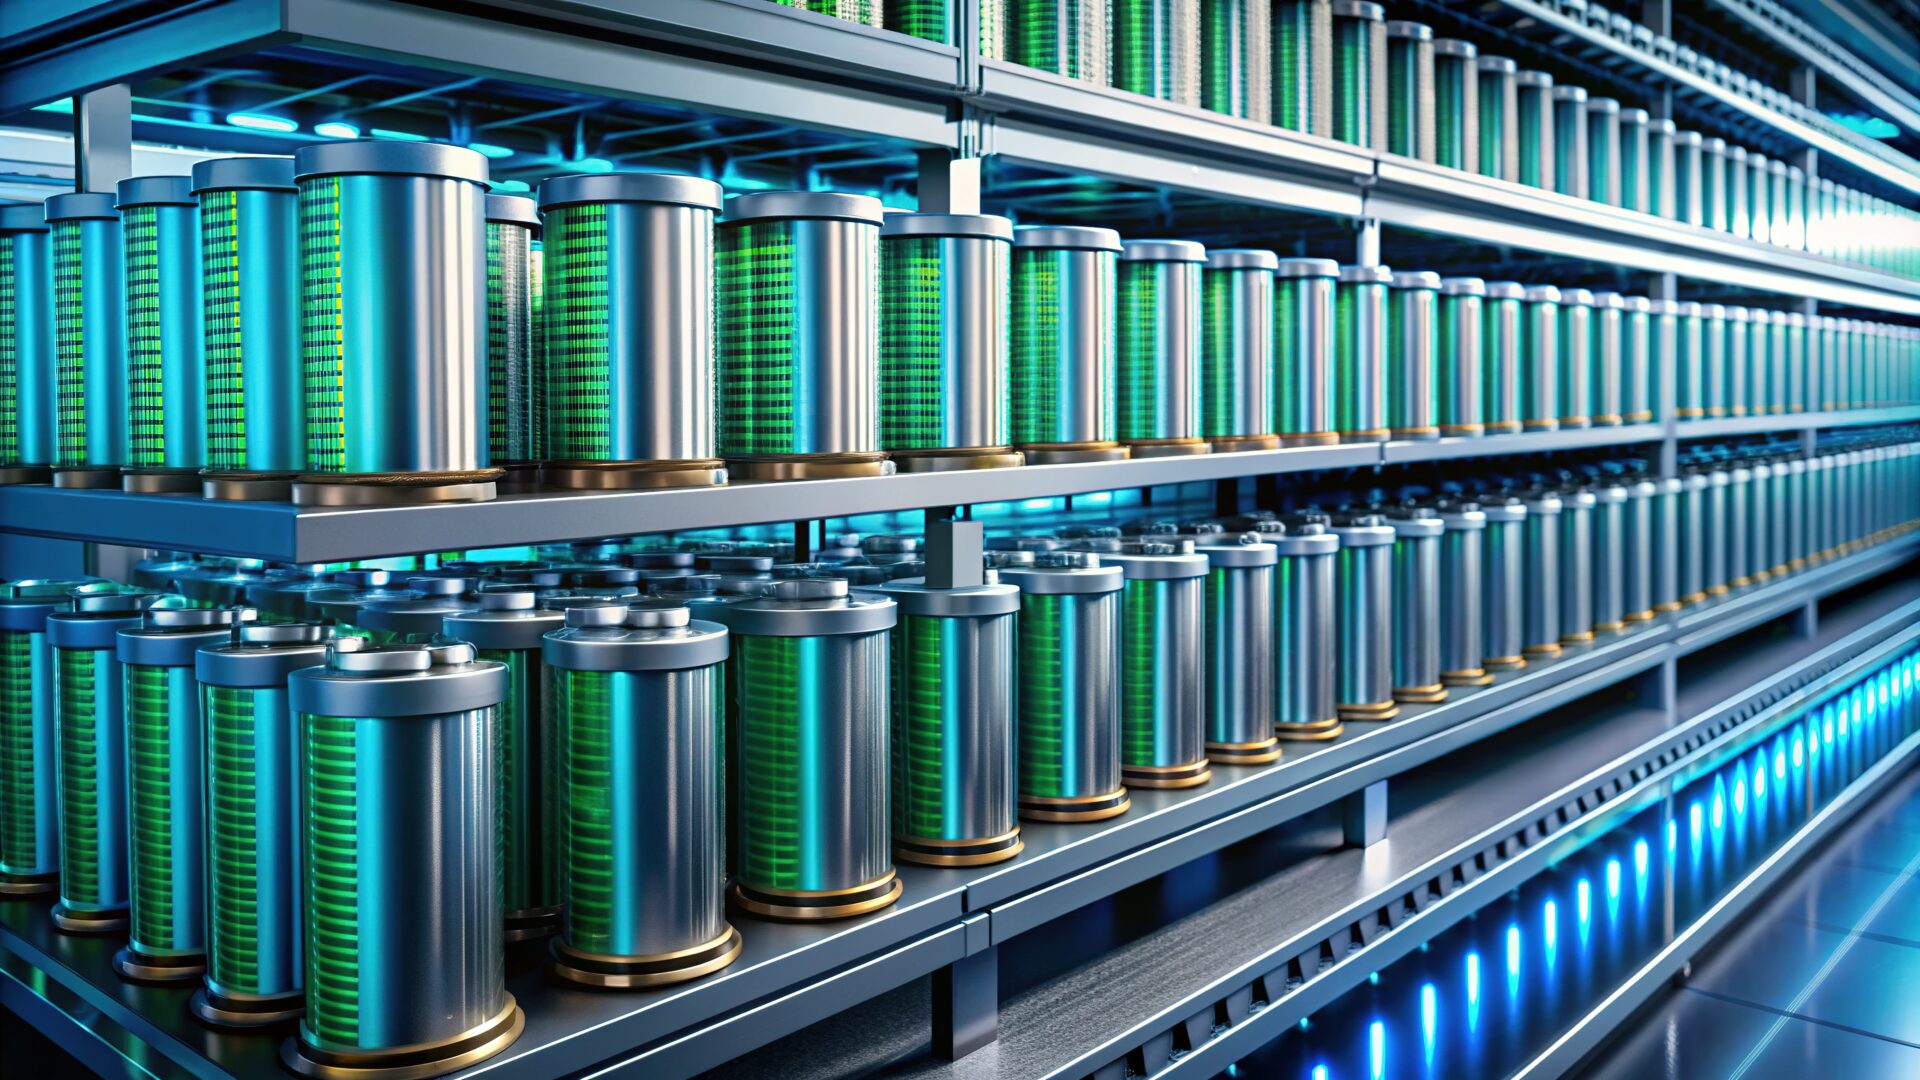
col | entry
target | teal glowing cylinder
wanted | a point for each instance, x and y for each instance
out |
(1534, 117)
(507, 628)
(1761, 361)
(1160, 344)
(1796, 365)
(1711, 328)
(1071, 38)
(639, 786)
(1737, 192)
(953, 777)
(89, 339)
(1540, 365)
(166, 364)
(1503, 612)
(1691, 193)
(166, 776)
(1064, 343)
(1412, 329)
(29, 810)
(1710, 185)
(1360, 354)
(1499, 135)
(1503, 338)
(1359, 75)
(807, 712)
(1604, 169)
(1416, 606)
(1303, 339)
(1540, 570)
(1646, 346)
(1302, 65)
(1661, 164)
(255, 973)
(1162, 665)
(1410, 90)
(1634, 171)
(90, 755)
(1156, 48)
(393, 242)
(255, 400)
(1458, 353)
(1240, 660)
(1606, 359)
(1570, 151)
(1237, 373)
(1738, 330)
(1760, 197)
(1671, 550)
(400, 861)
(1456, 105)
(1236, 58)
(26, 345)
(515, 388)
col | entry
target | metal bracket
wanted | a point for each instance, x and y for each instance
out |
(1363, 815)
(102, 138)
(966, 998)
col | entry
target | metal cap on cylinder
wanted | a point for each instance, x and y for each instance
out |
(272, 173)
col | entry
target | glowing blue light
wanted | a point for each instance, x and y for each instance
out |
(64, 105)
(262, 122)
(1550, 926)
(1673, 837)
(1319, 1072)
(1719, 808)
(1613, 878)
(1429, 1015)
(1377, 1048)
(395, 136)
(1373, 978)
(490, 150)
(335, 129)
(1582, 901)
(1693, 819)
(1799, 751)
(510, 185)
(1760, 777)
(590, 164)
(1037, 504)
(1873, 127)
(1779, 765)
(1826, 730)
(1640, 857)
(1473, 978)
(1303, 1023)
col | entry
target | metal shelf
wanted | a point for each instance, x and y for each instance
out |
(1806, 421)
(285, 533)
(1829, 58)
(794, 975)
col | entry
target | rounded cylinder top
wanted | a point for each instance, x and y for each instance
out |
(1465, 50)
(419, 615)
(621, 638)
(738, 564)
(1416, 279)
(1604, 105)
(1578, 499)
(807, 607)
(512, 210)
(272, 173)
(1542, 294)
(1240, 551)
(1400, 28)
(1242, 259)
(117, 601)
(362, 679)
(789, 205)
(1571, 93)
(1660, 126)
(1371, 274)
(676, 189)
(1158, 562)
(659, 560)
(1307, 268)
(78, 205)
(23, 217)
(97, 624)
(1463, 517)
(25, 605)
(1362, 530)
(1545, 502)
(1639, 304)
(1416, 523)
(1736, 153)
(1162, 251)
(361, 579)
(505, 620)
(1506, 290)
(915, 597)
(1577, 297)
(1537, 79)
(1071, 237)
(1057, 573)
(383, 157)
(972, 226)
(1359, 9)
(1607, 300)
(1633, 117)
(1504, 509)
(154, 191)
(261, 655)
(169, 636)
(168, 619)
(1496, 65)
(1463, 286)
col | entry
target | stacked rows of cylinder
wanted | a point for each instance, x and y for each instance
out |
(1731, 360)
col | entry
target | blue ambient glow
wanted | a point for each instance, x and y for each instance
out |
(335, 129)
(262, 122)
(490, 150)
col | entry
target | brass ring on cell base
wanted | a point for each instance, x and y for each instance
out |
(1191, 774)
(1643, 416)
(1740, 582)
(1576, 637)
(1504, 663)
(1640, 616)
(246, 486)
(1258, 752)
(1368, 710)
(1540, 425)
(226, 1010)
(1234, 444)
(415, 1062)
(1415, 434)
(1152, 448)
(1717, 590)
(530, 923)
(1551, 648)
(1607, 420)
(1309, 438)
(1668, 606)
(634, 475)
(1608, 628)
(1505, 427)
(957, 459)
(929, 851)
(1311, 731)
(1689, 413)
(1075, 808)
(808, 905)
(394, 489)
(1462, 431)
(1072, 453)
(1421, 695)
(25, 474)
(14, 884)
(637, 972)
(158, 970)
(160, 481)
(1478, 676)
(809, 466)
(68, 921)
(87, 479)
(1366, 435)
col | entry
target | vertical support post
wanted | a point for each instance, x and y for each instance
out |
(803, 541)
(1657, 15)
(1226, 497)
(1660, 686)
(1363, 815)
(102, 138)
(954, 554)
(948, 184)
(1806, 619)
(1366, 242)
(966, 998)
(1803, 86)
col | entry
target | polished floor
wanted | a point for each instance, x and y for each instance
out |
(1818, 981)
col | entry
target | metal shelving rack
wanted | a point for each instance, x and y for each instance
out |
(747, 58)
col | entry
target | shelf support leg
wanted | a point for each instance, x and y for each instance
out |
(1806, 619)
(1366, 242)
(1364, 815)
(948, 184)
(966, 1003)
(102, 138)
(1660, 686)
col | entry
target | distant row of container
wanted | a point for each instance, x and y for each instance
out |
(1341, 69)
(362, 323)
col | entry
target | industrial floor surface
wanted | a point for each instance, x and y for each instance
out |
(1817, 981)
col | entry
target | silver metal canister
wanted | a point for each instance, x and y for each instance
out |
(1640, 558)
(1304, 602)
(1669, 568)
(1413, 329)
(1712, 330)
(1065, 342)
(1646, 347)
(1570, 152)
(1410, 90)
(1738, 530)
(1604, 165)
(1688, 178)
(1690, 550)
(807, 682)
(639, 784)
(166, 389)
(1634, 171)
(1458, 350)
(1540, 619)
(1416, 606)
(1576, 360)
(1608, 558)
(1160, 346)
(1504, 336)
(1360, 354)
(1162, 665)
(943, 341)
(1463, 594)
(27, 346)
(393, 253)
(400, 856)
(1739, 359)
(1798, 514)
(1714, 538)
(166, 776)
(1711, 187)
(516, 362)
(255, 969)
(1535, 128)
(1607, 360)
(1456, 104)
(1303, 334)
(628, 321)
(1499, 112)
(1540, 364)
(1069, 687)
(1662, 165)
(798, 279)
(1237, 372)
(1240, 651)
(29, 804)
(1576, 578)
(1364, 619)
(1503, 618)
(89, 340)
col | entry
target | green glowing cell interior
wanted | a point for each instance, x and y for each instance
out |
(537, 307)
(526, 831)
(1350, 412)
(1066, 37)
(226, 405)
(859, 11)
(322, 338)
(1044, 714)
(1404, 89)
(1536, 162)
(150, 798)
(1302, 32)
(1219, 383)
(1353, 62)
(1292, 300)
(1035, 345)
(922, 18)
(79, 778)
(925, 652)
(9, 364)
(1493, 127)
(1496, 366)
(757, 298)
(19, 824)
(1233, 51)
(769, 677)
(578, 360)
(1155, 48)
(585, 698)
(510, 374)
(330, 858)
(1140, 658)
(146, 401)
(1457, 314)
(913, 303)
(1141, 296)
(1453, 126)
(69, 344)
(233, 849)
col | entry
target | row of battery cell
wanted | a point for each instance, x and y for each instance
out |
(1736, 361)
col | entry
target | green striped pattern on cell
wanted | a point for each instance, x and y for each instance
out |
(1410, 90)
(81, 824)
(1156, 48)
(1358, 41)
(9, 362)
(1359, 353)
(1499, 155)
(21, 755)
(574, 303)
(772, 851)
(146, 396)
(1141, 690)
(1044, 712)
(226, 384)
(537, 305)
(1456, 105)
(1534, 112)
(529, 879)
(913, 304)
(163, 813)
(511, 436)
(866, 12)
(1066, 37)
(322, 340)
(1139, 375)
(1303, 65)
(926, 18)
(164, 309)
(330, 856)
(1236, 58)
(758, 293)
(1061, 306)
(1035, 344)
(235, 916)
(74, 414)
(585, 835)
(1236, 349)
(923, 648)
(1160, 340)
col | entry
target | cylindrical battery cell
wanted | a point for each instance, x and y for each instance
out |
(1236, 58)
(1576, 577)
(1694, 199)
(1690, 550)
(1536, 130)
(1715, 539)
(1606, 359)
(1646, 346)
(1792, 374)
(27, 370)
(1416, 606)
(1456, 105)
(1574, 381)
(1499, 135)
(943, 341)
(1410, 90)
(1412, 331)
(89, 340)
(1661, 169)
(1738, 331)
(1064, 343)
(29, 813)
(1607, 557)
(1540, 364)
(1240, 654)
(1737, 192)
(1069, 687)
(1760, 362)
(1364, 618)
(1304, 621)
(1360, 354)
(516, 390)
(798, 282)
(1602, 120)
(1541, 568)
(1457, 345)
(1570, 152)
(393, 347)
(1162, 665)
(1303, 337)
(1503, 621)
(256, 416)
(1237, 371)
(1158, 395)
(1503, 357)
(1711, 330)
(1156, 48)
(1633, 168)
(1664, 553)
(1736, 529)
(1462, 594)
(1359, 75)
(638, 791)
(1760, 197)
(1302, 65)
(1073, 38)
(1710, 184)
(255, 973)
